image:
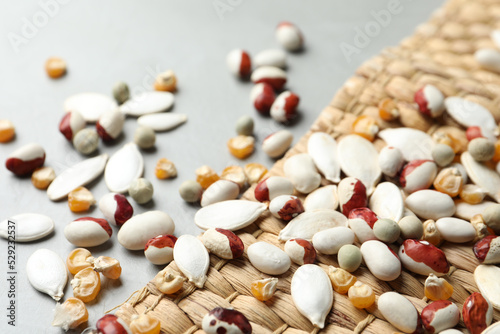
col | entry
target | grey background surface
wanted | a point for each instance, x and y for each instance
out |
(107, 41)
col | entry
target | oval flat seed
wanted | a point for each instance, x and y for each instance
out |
(381, 260)
(300, 169)
(270, 57)
(137, 231)
(455, 229)
(222, 190)
(487, 179)
(76, 176)
(312, 293)
(90, 105)
(268, 258)
(400, 312)
(25, 159)
(28, 226)
(466, 211)
(430, 204)
(486, 278)
(387, 201)
(359, 159)
(322, 198)
(162, 121)
(192, 258)
(148, 103)
(231, 215)
(413, 143)
(124, 166)
(469, 113)
(305, 225)
(323, 150)
(47, 273)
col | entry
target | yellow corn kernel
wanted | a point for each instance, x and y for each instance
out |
(7, 131)
(78, 259)
(496, 156)
(80, 199)
(472, 194)
(168, 281)
(387, 110)
(361, 295)
(241, 146)
(365, 127)
(235, 174)
(254, 172)
(431, 233)
(205, 176)
(437, 288)
(145, 324)
(70, 314)
(108, 267)
(55, 67)
(264, 289)
(166, 81)
(86, 285)
(449, 181)
(42, 177)
(165, 169)
(341, 279)
(441, 137)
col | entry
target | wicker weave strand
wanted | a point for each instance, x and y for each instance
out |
(440, 53)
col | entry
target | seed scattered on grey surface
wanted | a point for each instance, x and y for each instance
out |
(190, 191)
(86, 141)
(245, 125)
(144, 137)
(141, 190)
(121, 93)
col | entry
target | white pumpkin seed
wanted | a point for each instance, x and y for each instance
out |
(124, 166)
(230, 215)
(323, 150)
(387, 201)
(359, 159)
(301, 171)
(268, 258)
(76, 176)
(466, 211)
(322, 198)
(47, 273)
(148, 103)
(27, 227)
(137, 231)
(468, 113)
(312, 293)
(455, 229)
(305, 225)
(430, 204)
(90, 105)
(192, 258)
(486, 278)
(413, 143)
(162, 121)
(482, 176)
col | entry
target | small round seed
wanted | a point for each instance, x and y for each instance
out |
(141, 190)
(442, 154)
(144, 137)
(386, 230)
(411, 227)
(349, 258)
(190, 191)
(244, 126)
(481, 149)
(55, 67)
(121, 93)
(86, 141)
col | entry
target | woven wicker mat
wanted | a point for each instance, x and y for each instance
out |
(440, 53)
